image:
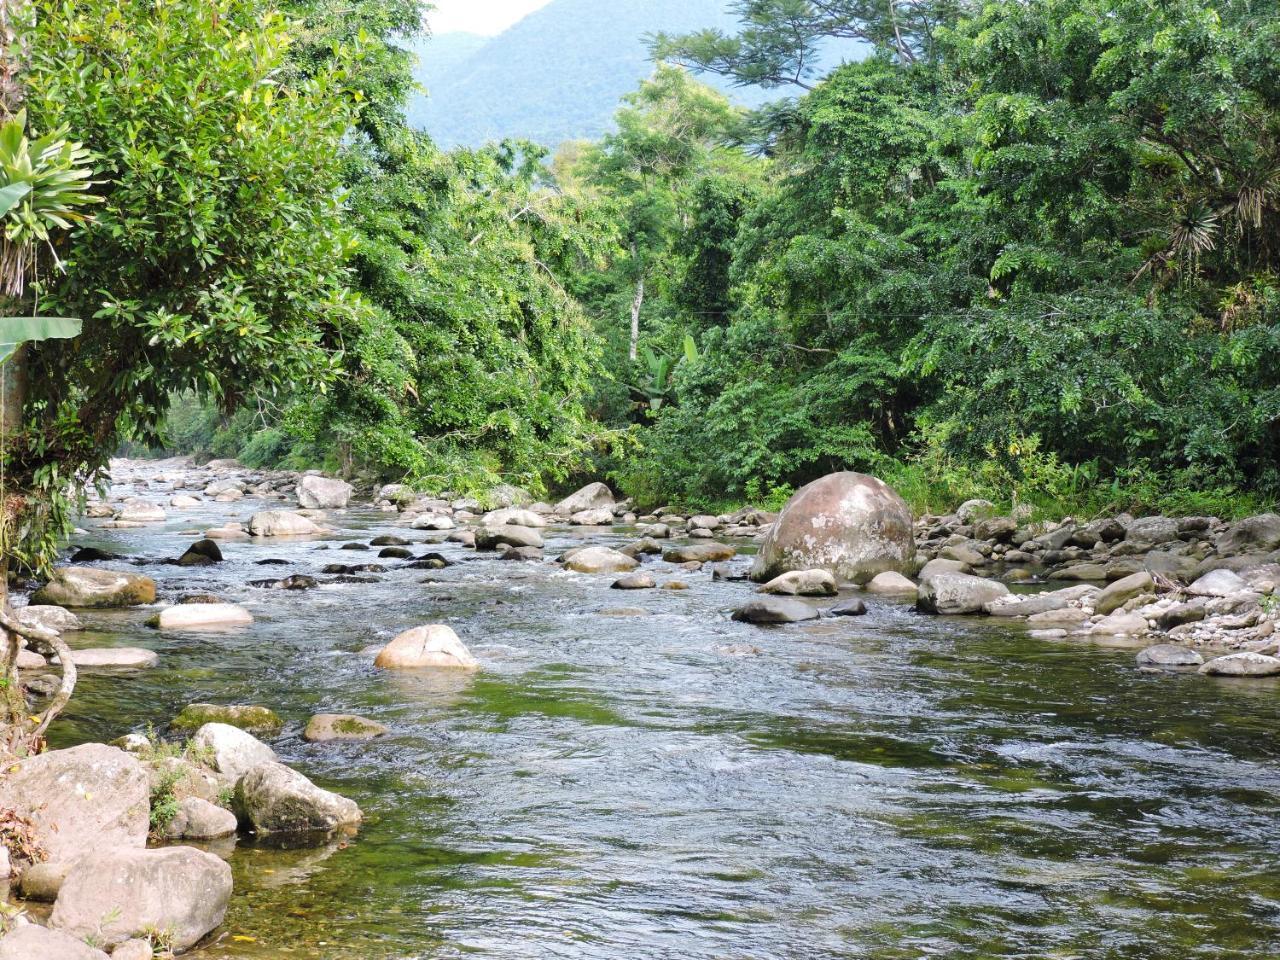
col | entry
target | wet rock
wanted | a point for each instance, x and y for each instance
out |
(850, 524)
(395, 553)
(435, 647)
(700, 553)
(1029, 605)
(1117, 594)
(349, 569)
(1169, 655)
(52, 618)
(202, 553)
(273, 798)
(199, 819)
(507, 535)
(140, 511)
(957, 593)
(634, 581)
(802, 583)
(465, 537)
(1247, 664)
(524, 554)
(599, 560)
(231, 751)
(853, 607)
(1218, 583)
(91, 588)
(116, 895)
(325, 727)
(282, 523)
(1120, 624)
(769, 610)
(591, 497)
(891, 583)
(295, 582)
(34, 942)
(354, 545)
(322, 493)
(248, 717)
(730, 573)
(93, 555)
(600, 517)
(42, 881)
(389, 541)
(191, 616)
(433, 521)
(80, 799)
(114, 658)
(1052, 633)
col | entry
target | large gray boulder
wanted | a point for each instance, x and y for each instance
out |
(322, 493)
(953, 593)
(82, 799)
(1246, 664)
(850, 524)
(229, 750)
(34, 942)
(1218, 583)
(1152, 531)
(281, 523)
(274, 798)
(199, 819)
(802, 583)
(1260, 534)
(57, 619)
(591, 497)
(1117, 594)
(506, 535)
(434, 646)
(1169, 655)
(771, 610)
(600, 560)
(90, 587)
(114, 895)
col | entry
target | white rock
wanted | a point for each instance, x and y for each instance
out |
(188, 616)
(435, 646)
(230, 750)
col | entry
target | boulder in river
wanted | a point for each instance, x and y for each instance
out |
(115, 658)
(853, 607)
(1117, 594)
(202, 553)
(1169, 655)
(229, 750)
(1260, 534)
(849, 524)
(1024, 605)
(506, 535)
(771, 610)
(1218, 583)
(34, 942)
(323, 493)
(57, 619)
(432, 521)
(634, 581)
(113, 895)
(136, 510)
(802, 583)
(324, 727)
(190, 616)
(200, 819)
(273, 798)
(599, 560)
(432, 646)
(249, 717)
(699, 553)
(80, 799)
(1247, 664)
(513, 515)
(956, 593)
(282, 523)
(590, 497)
(89, 587)
(891, 583)
(597, 517)
(1120, 624)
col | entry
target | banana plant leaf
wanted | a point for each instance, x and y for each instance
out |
(15, 331)
(11, 195)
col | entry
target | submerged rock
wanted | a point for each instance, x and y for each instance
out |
(116, 895)
(849, 524)
(433, 646)
(1247, 664)
(89, 587)
(248, 717)
(273, 798)
(119, 658)
(1169, 655)
(324, 727)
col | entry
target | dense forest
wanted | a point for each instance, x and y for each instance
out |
(1023, 250)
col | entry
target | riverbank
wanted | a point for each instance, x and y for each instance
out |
(634, 771)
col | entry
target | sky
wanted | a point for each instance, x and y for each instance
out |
(488, 17)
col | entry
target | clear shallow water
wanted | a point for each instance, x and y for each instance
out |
(892, 786)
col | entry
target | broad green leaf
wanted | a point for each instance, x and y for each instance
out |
(11, 195)
(15, 331)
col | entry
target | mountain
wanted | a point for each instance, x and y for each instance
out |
(556, 75)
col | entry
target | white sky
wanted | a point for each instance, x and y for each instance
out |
(488, 17)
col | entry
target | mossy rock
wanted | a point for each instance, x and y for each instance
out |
(324, 727)
(247, 717)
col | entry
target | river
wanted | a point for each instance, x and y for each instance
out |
(676, 785)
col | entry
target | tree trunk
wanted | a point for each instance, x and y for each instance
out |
(636, 304)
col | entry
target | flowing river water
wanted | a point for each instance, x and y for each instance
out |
(676, 785)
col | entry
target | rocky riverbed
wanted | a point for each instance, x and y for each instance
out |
(579, 727)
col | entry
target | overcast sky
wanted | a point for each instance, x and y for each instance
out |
(479, 16)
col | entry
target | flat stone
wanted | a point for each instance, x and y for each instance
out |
(91, 587)
(769, 610)
(117, 658)
(324, 727)
(1030, 605)
(1245, 664)
(700, 553)
(1169, 655)
(34, 942)
(190, 616)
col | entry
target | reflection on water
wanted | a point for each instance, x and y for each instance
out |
(678, 785)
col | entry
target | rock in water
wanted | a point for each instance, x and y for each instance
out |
(596, 517)
(202, 553)
(802, 583)
(853, 607)
(190, 616)
(199, 819)
(1117, 594)
(699, 553)
(634, 581)
(34, 942)
(891, 582)
(51, 618)
(281, 523)
(513, 515)
(116, 895)
(273, 798)
(850, 524)
(1169, 655)
(120, 658)
(324, 727)
(230, 750)
(591, 497)
(250, 717)
(322, 493)
(88, 587)
(508, 535)
(1243, 665)
(81, 799)
(599, 560)
(954, 593)
(774, 610)
(431, 646)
